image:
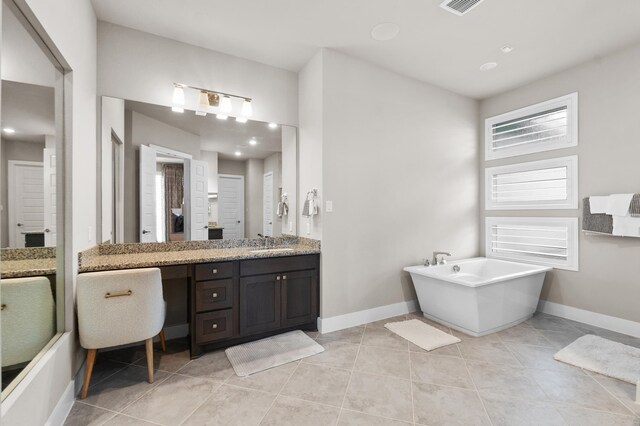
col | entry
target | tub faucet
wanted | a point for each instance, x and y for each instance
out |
(435, 257)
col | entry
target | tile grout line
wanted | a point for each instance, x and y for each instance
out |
(612, 395)
(200, 405)
(484, 408)
(278, 394)
(353, 369)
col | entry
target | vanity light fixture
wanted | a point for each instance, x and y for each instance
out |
(8, 130)
(253, 141)
(241, 119)
(209, 98)
(247, 109)
(273, 125)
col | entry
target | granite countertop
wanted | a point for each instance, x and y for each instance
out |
(27, 262)
(126, 256)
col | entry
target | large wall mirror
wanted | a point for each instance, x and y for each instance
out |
(183, 176)
(31, 213)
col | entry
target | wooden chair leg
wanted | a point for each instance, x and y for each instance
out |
(163, 341)
(91, 359)
(149, 345)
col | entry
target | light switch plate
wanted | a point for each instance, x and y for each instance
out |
(329, 206)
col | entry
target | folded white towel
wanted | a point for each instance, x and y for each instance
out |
(618, 204)
(626, 226)
(598, 205)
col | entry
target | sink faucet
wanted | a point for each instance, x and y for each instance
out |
(435, 257)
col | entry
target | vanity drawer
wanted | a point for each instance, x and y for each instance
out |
(214, 326)
(217, 294)
(213, 271)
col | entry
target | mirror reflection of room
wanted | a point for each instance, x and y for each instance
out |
(28, 205)
(198, 177)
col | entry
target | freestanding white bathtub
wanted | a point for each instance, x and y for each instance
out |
(485, 296)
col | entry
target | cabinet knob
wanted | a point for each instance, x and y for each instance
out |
(215, 271)
(215, 295)
(284, 277)
(214, 326)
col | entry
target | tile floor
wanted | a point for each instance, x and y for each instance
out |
(369, 376)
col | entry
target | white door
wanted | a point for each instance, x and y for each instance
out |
(49, 171)
(25, 200)
(147, 195)
(267, 205)
(231, 205)
(196, 177)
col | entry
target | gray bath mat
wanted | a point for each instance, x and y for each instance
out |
(253, 357)
(603, 356)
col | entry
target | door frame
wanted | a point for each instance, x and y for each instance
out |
(242, 215)
(11, 182)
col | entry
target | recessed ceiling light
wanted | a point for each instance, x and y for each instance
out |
(241, 119)
(385, 31)
(273, 125)
(221, 116)
(488, 66)
(238, 153)
(8, 130)
(507, 49)
(253, 142)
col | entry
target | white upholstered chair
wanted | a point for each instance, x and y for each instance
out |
(28, 318)
(117, 308)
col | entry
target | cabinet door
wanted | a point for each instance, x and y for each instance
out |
(299, 297)
(259, 303)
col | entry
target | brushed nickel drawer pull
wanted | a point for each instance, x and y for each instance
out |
(118, 294)
(3, 306)
(215, 295)
(215, 271)
(214, 326)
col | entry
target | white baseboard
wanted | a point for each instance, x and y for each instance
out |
(619, 325)
(340, 322)
(63, 407)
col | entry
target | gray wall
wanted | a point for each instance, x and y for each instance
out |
(399, 161)
(608, 153)
(273, 163)
(13, 150)
(253, 198)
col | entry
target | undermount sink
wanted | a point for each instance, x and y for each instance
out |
(272, 250)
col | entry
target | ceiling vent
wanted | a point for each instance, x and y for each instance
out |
(459, 7)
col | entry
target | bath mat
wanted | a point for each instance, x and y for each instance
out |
(603, 356)
(421, 334)
(253, 357)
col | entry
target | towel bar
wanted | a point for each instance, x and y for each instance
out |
(118, 294)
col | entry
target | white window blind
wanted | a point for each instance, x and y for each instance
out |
(546, 184)
(541, 127)
(543, 241)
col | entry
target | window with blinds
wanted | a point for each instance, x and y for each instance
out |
(541, 127)
(543, 241)
(546, 184)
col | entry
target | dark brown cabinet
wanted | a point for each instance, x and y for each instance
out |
(259, 304)
(234, 302)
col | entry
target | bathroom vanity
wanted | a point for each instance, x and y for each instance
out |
(234, 293)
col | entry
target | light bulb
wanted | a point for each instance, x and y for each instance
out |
(241, 119)
(272, 125)
(225, 104)
(8, 130)
(177, 109)
(221, 116)
(178, 95)
(238, 153)
(253, 142)
(247, 110)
